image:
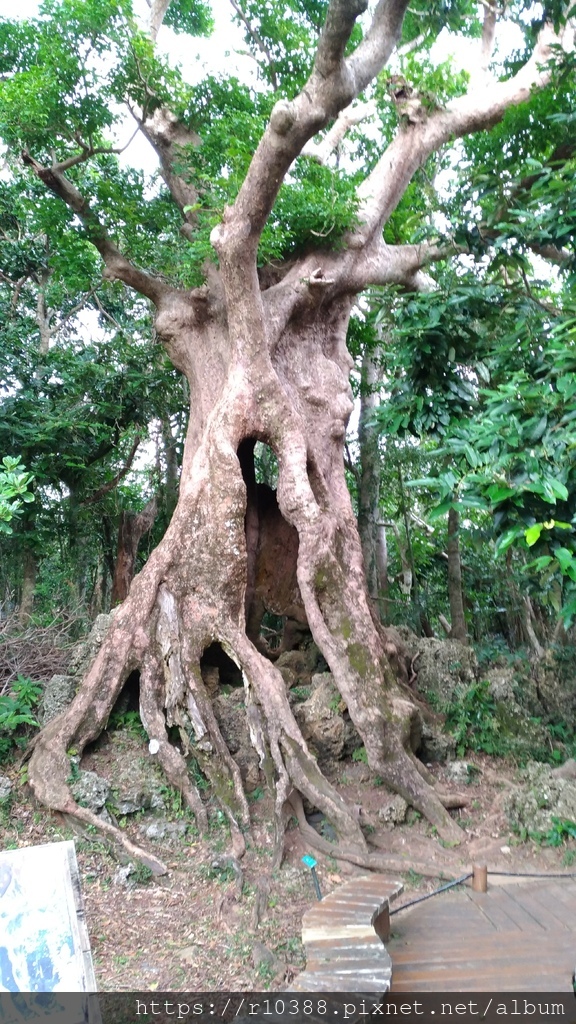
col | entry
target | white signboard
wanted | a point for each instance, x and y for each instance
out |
(44, 944)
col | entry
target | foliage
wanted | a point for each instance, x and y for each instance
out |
(14, 486)
(559, 833)
(16, 712)
(129, 720)
(472, 721)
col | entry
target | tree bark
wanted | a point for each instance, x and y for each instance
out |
(295, 396)
(458, 629)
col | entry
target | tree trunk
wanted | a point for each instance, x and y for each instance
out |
(28, 590)
(295, 397)
(458, 620)
(371, 529)
(130, 532)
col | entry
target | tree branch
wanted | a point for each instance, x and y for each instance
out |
(488, 33)
(158, 10)
(333, 84)
(395, 264)
(321, 151)
(90, 151)
(259, 43)
(117, 266)
(102, 491)
(378, 43)
(427, 133)
(169, 138)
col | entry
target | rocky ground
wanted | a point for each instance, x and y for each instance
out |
(204, 927)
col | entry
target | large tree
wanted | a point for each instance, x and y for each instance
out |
(255, 316)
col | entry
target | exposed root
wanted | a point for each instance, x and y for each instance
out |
(118, 838)
(224, 862)
(380, 862)
(173, 764)
(452, 801)
(282, 749)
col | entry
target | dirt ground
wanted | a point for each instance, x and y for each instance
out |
(200, 928)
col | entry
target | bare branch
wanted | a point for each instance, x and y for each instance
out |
(259, 43)
(17, 286)
(347, 118)
(333, 84)
(424, 134)
(158, 10)
(90, 151)
(395, 264)
(413, 45)
(170, 138)
(340, 20)
(117, 266)
(488, 33)
(378, 44)
(102, 491)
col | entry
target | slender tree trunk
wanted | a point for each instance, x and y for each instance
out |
(172, 469)
(372, 531)
(28, 589)
(455, 596)
(130, 532)
(528, 622)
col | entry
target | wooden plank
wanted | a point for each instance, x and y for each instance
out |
(492, 909)
(526, 919)
(513, 938)
(457, 915)
(542, 903)
(562, 901)
(535, 952)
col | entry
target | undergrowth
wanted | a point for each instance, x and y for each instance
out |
(17, 715)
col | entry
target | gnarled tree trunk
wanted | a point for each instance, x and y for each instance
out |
(295, 396)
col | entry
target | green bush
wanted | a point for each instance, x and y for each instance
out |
(473, 722)
(16, 712)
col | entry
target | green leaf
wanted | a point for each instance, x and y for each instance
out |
(563, 557)
(532, 534)
(499, 492)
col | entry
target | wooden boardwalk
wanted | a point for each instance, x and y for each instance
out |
(518, 937)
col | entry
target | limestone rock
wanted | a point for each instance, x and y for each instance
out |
(435, 744)
(322, 727)
(5, 787)
(230, 714)
(502, 680)
(132, 802)
(459, 772)
(261, 955)
(58, 693)
(394, 811)
(300, 663)
(87, 649)
(90, 790)
(442, 666)
(542, 797)
(163, 829)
